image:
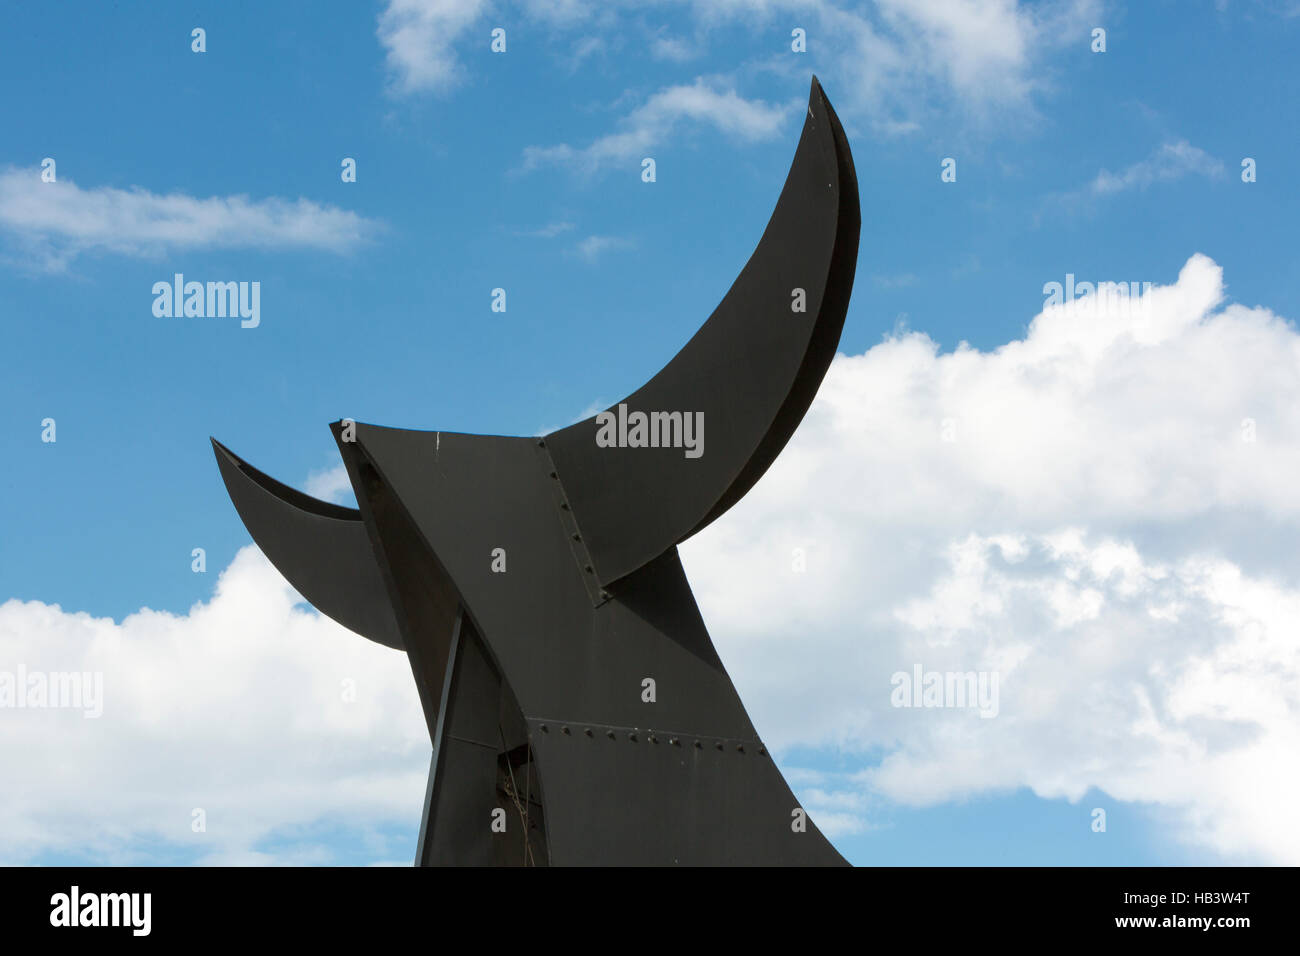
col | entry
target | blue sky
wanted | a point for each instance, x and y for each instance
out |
(521, 170)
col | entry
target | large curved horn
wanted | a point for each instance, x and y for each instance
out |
(750, 372)
(322, 549)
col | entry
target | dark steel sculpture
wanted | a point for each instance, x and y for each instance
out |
(536, 588)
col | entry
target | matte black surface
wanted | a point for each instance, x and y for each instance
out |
(532, 678)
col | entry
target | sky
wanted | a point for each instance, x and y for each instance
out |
(1090, 499)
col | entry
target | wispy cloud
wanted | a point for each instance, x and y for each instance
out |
(563, 12)
(649, 125)
(54, 222)
(548, 231)
(584, 48)
(901, 281)
(423, 39)
(1171, 161)
(898, 65)
(901, 63)
(673, 49)
(894, 62)
(593, 247)
(599, 405)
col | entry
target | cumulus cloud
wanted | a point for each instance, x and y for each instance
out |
(239, 708)
(53, 222)
(649, 125)
(1102, 512)
(1183, 679)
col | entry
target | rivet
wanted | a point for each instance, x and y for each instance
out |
(577, 537)
(554, 475)
(762, 751)
(610, 734)
(564, 729)
(632, 737)
(543, 728)
(720, 747)
(589, 569)
(564, 506)
(699, 745)
(588, 732)
(540, 443)
(675, 742)
(654, 739)
(740, 748)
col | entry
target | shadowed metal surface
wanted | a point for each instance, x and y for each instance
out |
(573, 665)
(578, 709)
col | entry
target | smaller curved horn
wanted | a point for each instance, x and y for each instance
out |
(322, 549)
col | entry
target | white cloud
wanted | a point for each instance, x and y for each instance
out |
(899, 63)
(548, 231)
(424, 40)
(674, 49)
(984, 57)
(1099, 533)
(591, 248)
(599, 405)
(649, 125)
(331, 484)
(584, 48)
(1171, 161)
(1168, 684)
(562, 12)
(421, 39)
(53, 222)
(901, 281)
(236, 708)
(978, 47)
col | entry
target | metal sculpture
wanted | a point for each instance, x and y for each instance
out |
(578, 710)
